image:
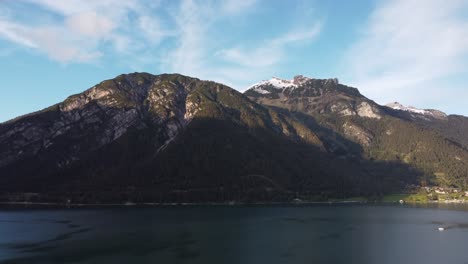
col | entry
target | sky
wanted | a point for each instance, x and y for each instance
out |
(411, 51)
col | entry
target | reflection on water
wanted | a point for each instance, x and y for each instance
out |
(308, 234)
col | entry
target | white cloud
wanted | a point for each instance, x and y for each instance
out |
(89, 23)
(51, 41)
(409, 48)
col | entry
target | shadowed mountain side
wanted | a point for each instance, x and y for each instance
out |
(451, 127)
(263, 164)
(333, 141)
(214, 160)
(454, 129)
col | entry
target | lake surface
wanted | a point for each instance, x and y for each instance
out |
(223, 234)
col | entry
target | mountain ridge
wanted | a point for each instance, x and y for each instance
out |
(173, 138)
(344, 110)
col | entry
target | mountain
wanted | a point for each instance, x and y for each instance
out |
(172, 138)
(427, 140)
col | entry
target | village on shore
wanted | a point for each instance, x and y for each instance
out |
(429, 194)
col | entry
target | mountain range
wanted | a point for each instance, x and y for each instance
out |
(172, 138)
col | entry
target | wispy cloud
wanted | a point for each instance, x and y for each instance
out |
(15, 33)
(49, 39)
(192, 20)
(236, 6)
(238, 65)
(79, 29)
(195, 45)
(153, 29)
(187, 36)
(271, 51)
(408, 49)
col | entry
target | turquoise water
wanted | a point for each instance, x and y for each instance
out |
(223, 234)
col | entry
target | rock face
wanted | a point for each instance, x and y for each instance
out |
(99, 116)
(365, 109)
(357, 133)
(313, 96)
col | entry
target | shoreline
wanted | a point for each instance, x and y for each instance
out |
(174, 204)
(233, 204)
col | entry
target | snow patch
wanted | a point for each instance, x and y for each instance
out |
(411, 109)
(260, 90)
(279, 83)
(398, 106)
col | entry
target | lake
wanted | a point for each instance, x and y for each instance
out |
(234, 234)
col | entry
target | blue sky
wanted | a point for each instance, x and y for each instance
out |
(414, 52)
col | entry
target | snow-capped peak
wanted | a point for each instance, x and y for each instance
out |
(279, 83)
(398, 106)
(411, 109)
